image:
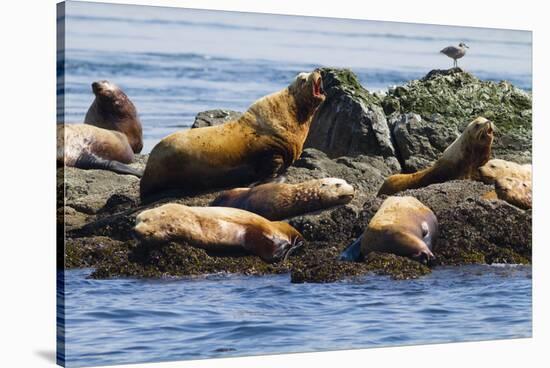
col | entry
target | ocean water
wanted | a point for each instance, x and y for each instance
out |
(128, 320)
(174, 63)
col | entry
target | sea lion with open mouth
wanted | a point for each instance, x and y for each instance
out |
(259, 145)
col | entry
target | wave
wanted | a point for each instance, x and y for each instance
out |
(204, 68)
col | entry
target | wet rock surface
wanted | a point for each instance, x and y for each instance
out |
(372, 138)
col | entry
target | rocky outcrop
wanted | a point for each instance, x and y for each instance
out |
(420, 142)
(357, 136)
(351, 121)
(91, 193)
(214, 117)
(447, 100)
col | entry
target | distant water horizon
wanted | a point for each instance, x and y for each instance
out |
(175, 63)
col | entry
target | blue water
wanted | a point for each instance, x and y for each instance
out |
(121, 321)
(174, 63)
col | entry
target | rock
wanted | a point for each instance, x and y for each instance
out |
(88, 193)
(322, 269)
(351, 121)
(214, 117)
(420, 142)
(446, 101)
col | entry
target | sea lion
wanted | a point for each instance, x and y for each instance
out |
(402, 226)
(89, 147)
(515, 191)
(460, 160)
(108, 139)
(260, 144)
(277, 201)
(113, 110)
(496, 168)
(218, 229)
(513, 182)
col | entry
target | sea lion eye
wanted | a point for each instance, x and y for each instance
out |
(338, 185)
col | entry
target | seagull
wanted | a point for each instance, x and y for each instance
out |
(455, 52)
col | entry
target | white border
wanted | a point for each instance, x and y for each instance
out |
(27, 93)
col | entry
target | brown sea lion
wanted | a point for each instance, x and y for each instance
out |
(496, 168)
(402, 226)
(110, 137)
(89, 147)
(261, 144)
(277, 201)
(113, 110)
(218, 229)
(515, 191)
(513, 182)
(460, 160)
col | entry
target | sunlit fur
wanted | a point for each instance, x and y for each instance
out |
(277, 201)
(402, 226)
(513, 182)
(217, 229)
(113, 110)
(460, 160)
(262, 143)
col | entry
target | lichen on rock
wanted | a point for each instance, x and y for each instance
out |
(452, 98)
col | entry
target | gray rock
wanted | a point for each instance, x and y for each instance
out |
(89, 193)
(420, 142)
(351, 121)
(447, 100)
(214, 117)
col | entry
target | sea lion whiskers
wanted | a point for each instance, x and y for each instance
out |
(296, 244)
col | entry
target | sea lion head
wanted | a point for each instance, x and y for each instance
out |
(497, 168)
(473, 148)
(286, 239)
(335, 191)
(480, 132)
(117, 112)
(154, 226)
(307, 89)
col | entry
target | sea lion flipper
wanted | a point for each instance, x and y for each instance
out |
(89, 161)
(353, 252)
